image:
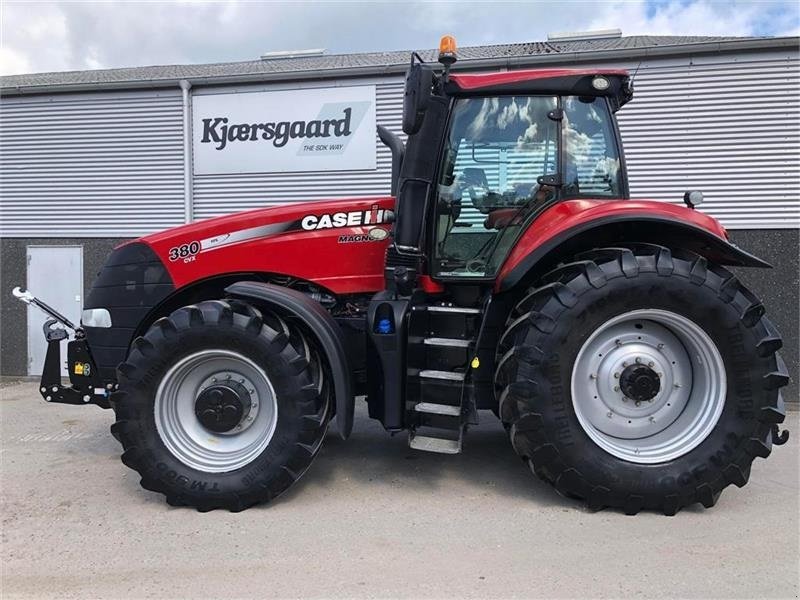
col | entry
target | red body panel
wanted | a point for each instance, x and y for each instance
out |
(482, 80)
(572, 213)
(279, 244)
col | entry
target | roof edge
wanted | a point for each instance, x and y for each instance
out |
(399, 68)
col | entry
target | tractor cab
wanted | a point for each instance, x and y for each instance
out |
(486, 155)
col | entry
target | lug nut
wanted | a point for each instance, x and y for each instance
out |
(609, 414)
(592, 376)
(44, 389)
(624, 363)
(55, 388)
(616, 388)
(618, 343)
(652, 419)
(87, 398)
(650, 364)
(616, 375)
(638, 360)
(49, 398)
(660, 346)
(638, 403)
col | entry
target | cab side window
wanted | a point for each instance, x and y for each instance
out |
(592, 162)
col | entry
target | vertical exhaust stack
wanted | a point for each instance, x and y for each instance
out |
(395, 144)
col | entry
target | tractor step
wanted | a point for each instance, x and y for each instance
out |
(434, 444)
(438, 409)
(447, 342)
(446, 375)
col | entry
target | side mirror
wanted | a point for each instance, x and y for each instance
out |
(419, 83)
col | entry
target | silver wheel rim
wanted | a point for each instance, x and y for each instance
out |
(184, 435)
(684, 410)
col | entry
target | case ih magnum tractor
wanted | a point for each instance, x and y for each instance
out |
(509, 271)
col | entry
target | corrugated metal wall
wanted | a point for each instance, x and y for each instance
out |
(728, 126)
(91, 165)
(110, 164)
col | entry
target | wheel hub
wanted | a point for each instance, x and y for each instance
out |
(639, 382)
(221, 406)
(648, 385)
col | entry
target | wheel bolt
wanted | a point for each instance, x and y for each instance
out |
(638, 360)
(616, 388)
(618, 343)
(652, 419)
(44, 389)
(609, 414)
(624, 364)
(650, 364)
(592, 376)
(638, 403)
(660, 346)
(616, 375)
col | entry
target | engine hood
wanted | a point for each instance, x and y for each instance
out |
(339, 244)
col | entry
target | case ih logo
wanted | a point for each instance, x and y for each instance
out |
(354, 218)
(217, 130)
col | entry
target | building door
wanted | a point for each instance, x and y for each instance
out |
(55, 276)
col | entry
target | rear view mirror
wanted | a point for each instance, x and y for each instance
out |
(419, 82)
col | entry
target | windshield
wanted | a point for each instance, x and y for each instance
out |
(501, 165)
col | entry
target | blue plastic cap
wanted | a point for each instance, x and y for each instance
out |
(385, 326)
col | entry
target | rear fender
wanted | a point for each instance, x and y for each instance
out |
(574, 226)
(325, 329)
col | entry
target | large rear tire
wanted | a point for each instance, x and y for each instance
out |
(636, 379)
(220, 406)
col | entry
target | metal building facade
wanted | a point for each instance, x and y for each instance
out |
(110, 164)
(95, 167)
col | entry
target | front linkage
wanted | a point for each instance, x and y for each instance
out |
(85, 386)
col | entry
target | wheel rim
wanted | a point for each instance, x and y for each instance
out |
(648, 386)
(183, 432)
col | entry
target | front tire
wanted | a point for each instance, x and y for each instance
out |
(635, 379)
(220, 406)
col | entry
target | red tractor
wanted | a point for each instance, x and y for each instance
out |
(509, 271)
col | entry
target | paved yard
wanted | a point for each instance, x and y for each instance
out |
(371, 518)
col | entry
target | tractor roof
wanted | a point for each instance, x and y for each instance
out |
(544, 81)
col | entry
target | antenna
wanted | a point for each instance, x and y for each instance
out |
(633, 77)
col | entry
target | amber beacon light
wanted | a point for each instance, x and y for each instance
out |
(447, 50)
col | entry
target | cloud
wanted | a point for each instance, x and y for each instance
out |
(56, 36)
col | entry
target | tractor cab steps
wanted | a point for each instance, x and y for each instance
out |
(441, 346)
(440, 445)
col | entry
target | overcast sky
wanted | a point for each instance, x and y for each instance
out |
(59, 36)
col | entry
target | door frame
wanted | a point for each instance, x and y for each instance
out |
(27, 287)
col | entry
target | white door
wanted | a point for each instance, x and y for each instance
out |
(55, 276)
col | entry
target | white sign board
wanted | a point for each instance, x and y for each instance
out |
(321, 129)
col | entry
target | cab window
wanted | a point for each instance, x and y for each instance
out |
(497, 150)
(592, 163)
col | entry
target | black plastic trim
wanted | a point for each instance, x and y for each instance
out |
(722, 250)
(323, 326)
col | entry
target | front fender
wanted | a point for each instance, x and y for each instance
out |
(576, 225)
(320, 323)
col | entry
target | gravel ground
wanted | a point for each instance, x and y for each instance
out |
(370, 519)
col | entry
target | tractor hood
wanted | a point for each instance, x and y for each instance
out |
(339, 245)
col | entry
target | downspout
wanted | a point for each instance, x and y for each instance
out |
(188, 196)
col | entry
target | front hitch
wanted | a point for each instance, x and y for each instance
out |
(85, 385)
